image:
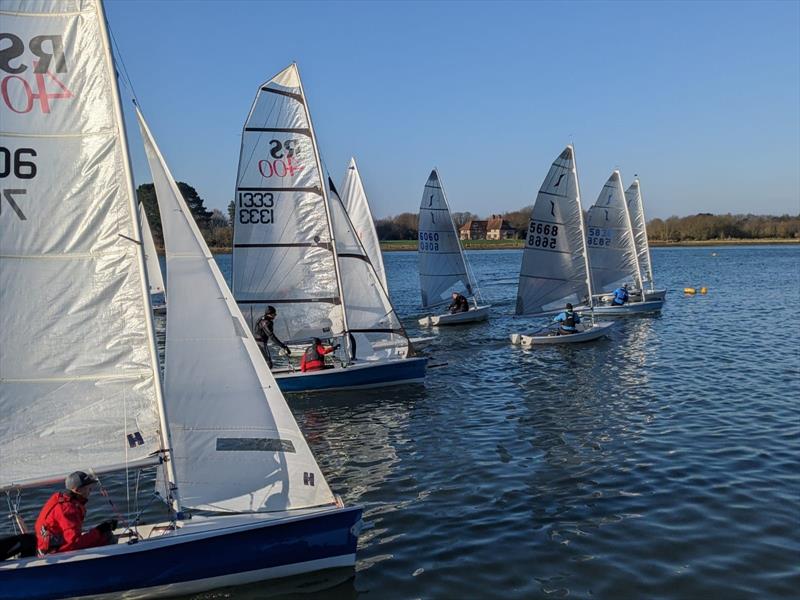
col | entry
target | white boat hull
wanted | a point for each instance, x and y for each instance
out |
(473, 315)
(631, 308)
(546, 337)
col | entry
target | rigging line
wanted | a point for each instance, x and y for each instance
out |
(129, 83)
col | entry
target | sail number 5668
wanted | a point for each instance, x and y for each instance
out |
(256, 208)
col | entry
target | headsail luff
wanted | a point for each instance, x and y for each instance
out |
(79, 378)
(154, 277)
(371, 319)
(236, 445)
(355, 202)
(612, 253)
(282, 243)
(554, 265)
(633, 196)
(442, 267)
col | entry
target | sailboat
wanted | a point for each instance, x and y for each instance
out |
(443, 268)
(154, 278)
(555, 264)
(224, 438)
(612, 251)
(295, 248)
(633, 197)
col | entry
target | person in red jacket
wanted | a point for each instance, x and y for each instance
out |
(313, 358)
(59, 527)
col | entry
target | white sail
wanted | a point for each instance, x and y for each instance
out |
(375, 330)
(442, 268)
(154, 277)
(79, 381)
(633, 197)
(612, 253)
(236, 445)
(355, 202)
(554, 268)
(282, 244)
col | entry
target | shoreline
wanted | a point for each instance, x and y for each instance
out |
(410, 245)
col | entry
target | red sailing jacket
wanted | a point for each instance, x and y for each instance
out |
(313, 361)
(59, 527)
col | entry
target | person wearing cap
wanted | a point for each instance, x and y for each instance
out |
(568, 319)
(59, 527)
(459, 304)
(620, 295)
(265, 332)
(313, 358)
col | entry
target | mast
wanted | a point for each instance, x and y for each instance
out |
(646, 240)
(324, 185)
(583, 235)
(174, 498)
(631, 234)
(470, 279)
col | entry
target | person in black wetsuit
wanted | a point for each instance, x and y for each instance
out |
(459, 304)
(264, 332)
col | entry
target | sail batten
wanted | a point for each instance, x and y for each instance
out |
(80, 384)
(236, 445)
(553, 269)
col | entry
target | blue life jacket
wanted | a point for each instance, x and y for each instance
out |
(620, 296)
(568, 320)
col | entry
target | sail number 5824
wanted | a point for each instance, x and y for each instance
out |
(256, 208)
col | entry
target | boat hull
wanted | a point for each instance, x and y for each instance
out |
(253, 548)
(473, 315)
(358, 375)
(631, 308)
(594, 332)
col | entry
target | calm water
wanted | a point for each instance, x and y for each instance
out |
(662, 463)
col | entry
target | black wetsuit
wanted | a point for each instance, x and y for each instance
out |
(264, 331)
(458, 305)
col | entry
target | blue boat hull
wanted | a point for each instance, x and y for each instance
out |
(361, 375)
(206, 559)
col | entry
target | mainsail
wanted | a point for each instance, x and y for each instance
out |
(236, 445)
(154, 278)
(375, 330)
(355, 202)
(633, 196)
(554, 265)
(79, 379)
(612, 253)
(282, 242)
(442, 268)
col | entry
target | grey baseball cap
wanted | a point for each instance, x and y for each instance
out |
(78, 479)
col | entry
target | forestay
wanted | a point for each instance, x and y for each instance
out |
(612, 253)
(376, 331)
(79, 381)
(154, 278)
(235, 443)
(282, 250)
(442, 268)
(554, 267)
(633, 196)
(355, 202)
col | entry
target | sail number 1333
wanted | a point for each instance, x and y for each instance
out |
(256, 208)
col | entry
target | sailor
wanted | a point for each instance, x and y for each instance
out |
(264, 331)
(459, 304)
(620, 295)
(313, 358)
(59, 527)
(568, 320)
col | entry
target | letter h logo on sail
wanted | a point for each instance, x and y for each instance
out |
(308, 479)
(135, 439)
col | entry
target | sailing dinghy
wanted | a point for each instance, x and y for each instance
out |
(153, 268)
(612, 251)
(295, 248)
(633, 196)
(221, 431)
(443, 268)
(555, 265)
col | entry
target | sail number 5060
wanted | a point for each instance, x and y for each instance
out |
(256, 208)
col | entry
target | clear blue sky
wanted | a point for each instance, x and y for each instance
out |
(701, 99)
